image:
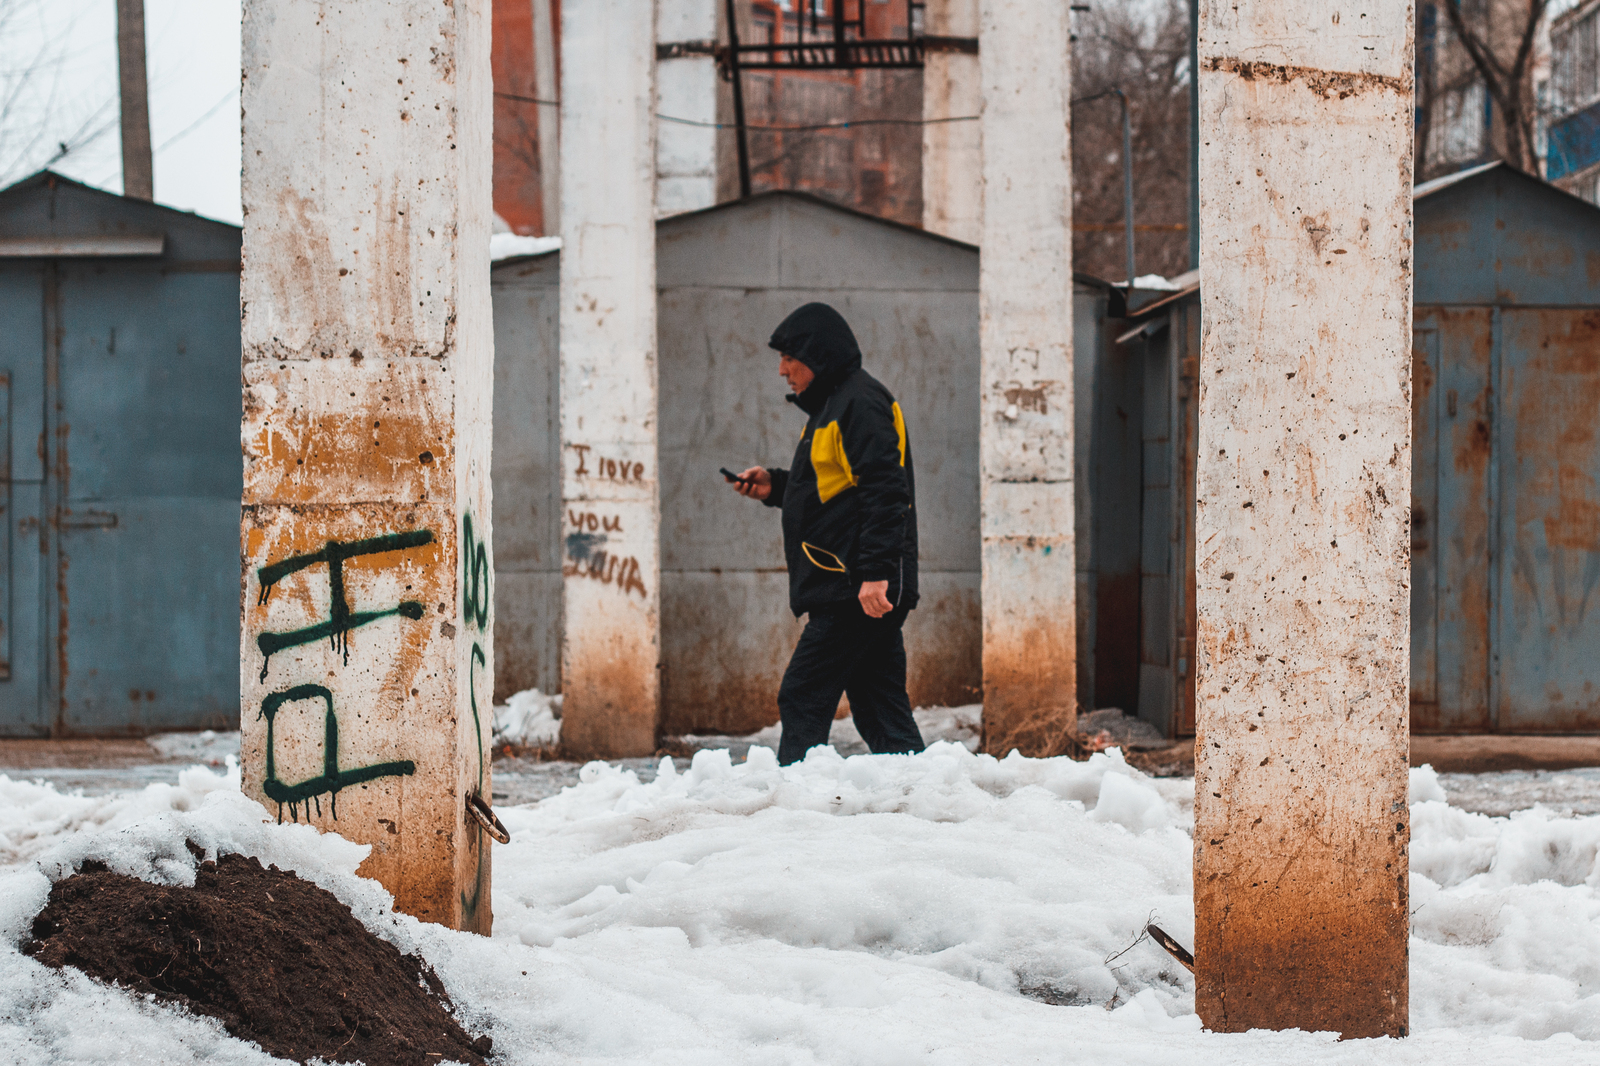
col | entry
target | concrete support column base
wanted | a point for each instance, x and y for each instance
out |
(367, 608)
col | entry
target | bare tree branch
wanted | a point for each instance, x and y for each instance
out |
(36, 44)
(1508, 85)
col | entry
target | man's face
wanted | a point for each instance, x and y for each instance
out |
(796, 373)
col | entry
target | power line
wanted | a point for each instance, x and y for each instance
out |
(197, 123)
(824, 125)
(807, 129)
(773, 129)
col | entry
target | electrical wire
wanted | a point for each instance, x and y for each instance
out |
(773, 129)
(197, 123)
(807, 129)
(824, 125)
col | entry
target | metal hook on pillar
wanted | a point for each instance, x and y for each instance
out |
(478, 810)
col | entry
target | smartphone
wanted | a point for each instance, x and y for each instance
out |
(731, 476)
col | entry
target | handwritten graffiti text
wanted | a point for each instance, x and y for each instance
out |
(593, 522)
(616, 470)
(599, 565)
(341, 619)
(332, 779)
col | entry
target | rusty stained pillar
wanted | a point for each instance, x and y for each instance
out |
(365, 649)
(1025, 335)
(611, 510)
(1302, 534)
(952, 151)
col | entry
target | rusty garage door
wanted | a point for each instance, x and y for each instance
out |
(1506, 520)
(1546, 669)
(1450, 489)
(119, 554)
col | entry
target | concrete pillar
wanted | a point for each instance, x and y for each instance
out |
(138, 174)
(1302, 531)
(366, 615)
(952, 152)
(1025, 332)
(610, 504)
(686, 88)
(547, 87)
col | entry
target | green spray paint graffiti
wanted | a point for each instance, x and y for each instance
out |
(474, 577)
(341, 619)
(475, 612)
(475, 600)
(332, 778)
(469, 904)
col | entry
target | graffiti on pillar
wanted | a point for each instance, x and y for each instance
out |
(612, 469)
(594, 523)
(476, 597)
(585, 559)
(474, 576)
(475, 600)
(341, 619)
(332, 779)
(587, 555)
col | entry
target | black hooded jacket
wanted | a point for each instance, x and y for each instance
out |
(849, 499)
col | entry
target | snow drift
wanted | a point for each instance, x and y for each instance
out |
(945, 907)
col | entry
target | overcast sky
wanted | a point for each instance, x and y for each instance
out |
(63, 55)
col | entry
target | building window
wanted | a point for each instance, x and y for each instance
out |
(1587, 186)
(1458, 133)
(1575, 50)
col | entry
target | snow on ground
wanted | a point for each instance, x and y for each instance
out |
(1564, 791)
(940, 908)
(530, 718)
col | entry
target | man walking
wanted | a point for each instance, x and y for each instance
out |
(849, 537)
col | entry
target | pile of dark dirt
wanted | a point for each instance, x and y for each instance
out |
(278, 960)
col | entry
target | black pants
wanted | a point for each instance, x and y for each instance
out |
(842, 650)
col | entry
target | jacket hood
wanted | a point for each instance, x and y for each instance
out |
(819, 337)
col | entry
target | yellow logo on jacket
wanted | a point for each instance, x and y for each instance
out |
(832, 465)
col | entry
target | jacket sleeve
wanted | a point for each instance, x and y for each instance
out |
(780, 481)
(872, 445)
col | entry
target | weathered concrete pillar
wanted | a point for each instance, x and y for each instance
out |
(1025, 331)
(365, 651)
(952, 152)
(547, 87)
(611, 507)
(1302, 533)
(686, 88)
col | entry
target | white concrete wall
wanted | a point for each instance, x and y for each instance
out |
(686, 88)
(367, 377)
(610, 502)
(1025, 332)
(952, 152)
(1302, 531)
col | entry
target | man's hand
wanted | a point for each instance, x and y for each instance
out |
(874, 598)
(757, 483)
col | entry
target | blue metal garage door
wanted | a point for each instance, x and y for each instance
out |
(119, 449)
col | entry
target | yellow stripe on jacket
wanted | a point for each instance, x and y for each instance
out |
(832, 465)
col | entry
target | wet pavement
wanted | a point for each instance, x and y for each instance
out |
(99, 767)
